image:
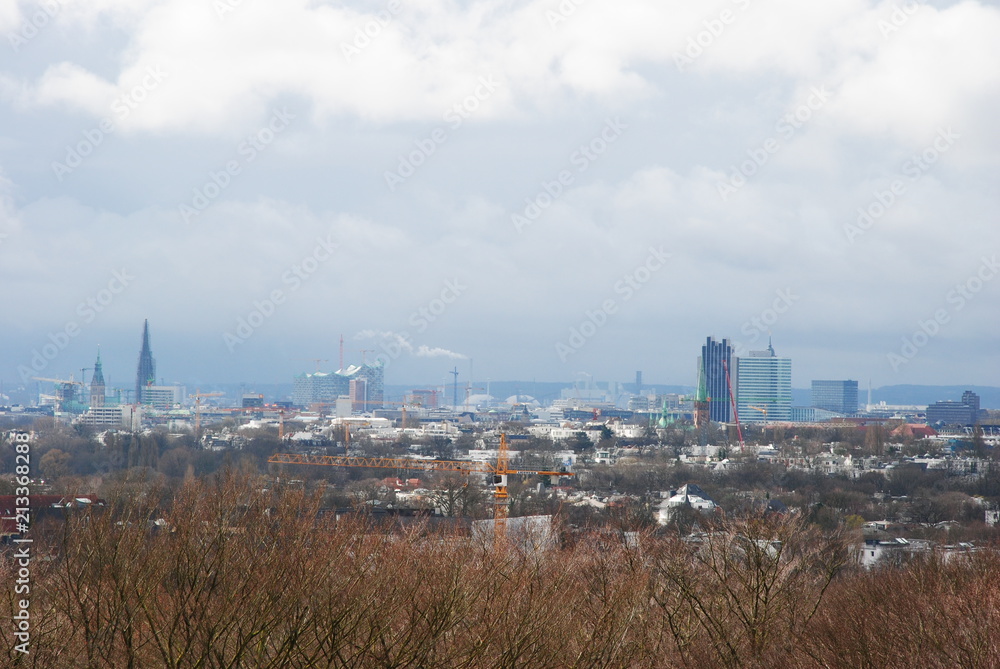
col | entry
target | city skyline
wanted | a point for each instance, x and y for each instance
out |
(716, 383)
(543, 189)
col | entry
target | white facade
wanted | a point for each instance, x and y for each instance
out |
(687, 496)
(120, 415)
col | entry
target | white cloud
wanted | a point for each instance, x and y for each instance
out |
(657, 185)
(225, 72)
(438, 352)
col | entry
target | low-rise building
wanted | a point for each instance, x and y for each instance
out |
(688, 496)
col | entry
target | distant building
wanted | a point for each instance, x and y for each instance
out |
(162, 397)
(326, 387)
(972, 399)
(764, 383)
(950, 412)
(642, 403)
(715, 357)
(427, 399)
(359, 394)
(145, 374)
(126, 416)
(898, 551)
(252, 400)
(838, 396)
(688, 496)
(97, 390)
(319, 388)
(813, 414)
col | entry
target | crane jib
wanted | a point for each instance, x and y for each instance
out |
(403, 463)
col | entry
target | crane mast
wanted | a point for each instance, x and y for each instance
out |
(732, 401)
(499, 470)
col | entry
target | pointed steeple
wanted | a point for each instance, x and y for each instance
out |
(146, 372)
(98, 370)
(97, 383)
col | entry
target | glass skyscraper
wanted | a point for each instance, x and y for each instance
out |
(839, 396)
(764, 383)
(713, 353)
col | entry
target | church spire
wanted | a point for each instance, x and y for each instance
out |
(145, 374)
(97, 383)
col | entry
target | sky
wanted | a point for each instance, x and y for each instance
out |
(519, 189)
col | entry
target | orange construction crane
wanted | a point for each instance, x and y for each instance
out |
(500, 471)
(197, 408)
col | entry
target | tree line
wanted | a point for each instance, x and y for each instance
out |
(233, 571)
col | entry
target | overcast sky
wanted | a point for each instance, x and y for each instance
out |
(548, 188)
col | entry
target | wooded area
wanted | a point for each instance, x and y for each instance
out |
(225, 573)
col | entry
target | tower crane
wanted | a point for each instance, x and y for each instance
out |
(763, 410)
(732, 401)
(69, 381)
(64, 387)
(468, 393)
(499, 470)
(197, 408)
(315, 360)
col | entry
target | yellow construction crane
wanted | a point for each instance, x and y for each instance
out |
(69, 380)
(197, 408)
(763, 410)
(64, 388)
(500, 471)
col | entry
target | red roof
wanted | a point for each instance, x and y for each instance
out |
(915, 430)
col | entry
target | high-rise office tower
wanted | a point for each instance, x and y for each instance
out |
(839, 396)
(713, 371)
(145, 375)
(764, 387)
(972, 400)
(97, 391)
